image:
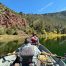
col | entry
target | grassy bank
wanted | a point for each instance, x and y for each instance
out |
(8, 38)
(9, 43)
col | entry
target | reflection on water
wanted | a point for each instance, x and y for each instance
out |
(57, 46)
(8, 47)
(53, 42)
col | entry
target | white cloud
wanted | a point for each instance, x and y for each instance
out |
(62, 9)
(46, 6)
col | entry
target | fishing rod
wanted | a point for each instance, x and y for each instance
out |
(53, 55)
(42, 53)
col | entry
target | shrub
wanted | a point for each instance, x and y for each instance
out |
(2, 30)
(11, 31)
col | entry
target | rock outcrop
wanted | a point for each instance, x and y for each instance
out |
(9, 18)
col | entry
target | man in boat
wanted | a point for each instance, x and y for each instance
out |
(34, 39)
(26, 50)
(30, 50)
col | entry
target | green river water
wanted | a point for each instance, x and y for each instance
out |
(57, 46)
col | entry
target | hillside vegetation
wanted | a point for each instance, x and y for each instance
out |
(49, 22)
(12, 23)
(28, 23)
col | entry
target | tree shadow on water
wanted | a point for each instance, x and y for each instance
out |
(8, 47)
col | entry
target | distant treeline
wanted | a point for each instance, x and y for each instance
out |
(48, 22)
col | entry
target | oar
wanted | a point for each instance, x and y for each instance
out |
(60, 57)
(8, 54)
(48, 54)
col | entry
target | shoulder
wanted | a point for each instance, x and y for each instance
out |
(36, 47)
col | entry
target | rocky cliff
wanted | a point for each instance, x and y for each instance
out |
(9, 18)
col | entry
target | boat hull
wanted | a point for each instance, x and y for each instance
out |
(8, 60)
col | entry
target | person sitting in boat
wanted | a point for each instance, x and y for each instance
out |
(34, 39)
(29, 50)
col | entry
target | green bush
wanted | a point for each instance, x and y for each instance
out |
(11, 31)
(2, 30)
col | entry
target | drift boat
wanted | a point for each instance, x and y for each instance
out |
(8, 60)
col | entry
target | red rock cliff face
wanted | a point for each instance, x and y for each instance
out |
(9, 19)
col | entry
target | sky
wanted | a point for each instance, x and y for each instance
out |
(35, 6)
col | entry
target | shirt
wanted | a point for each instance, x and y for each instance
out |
(35, 50)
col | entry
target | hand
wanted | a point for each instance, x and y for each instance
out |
(9, 54)
(14, 52)
(45, 53)
(54, 54)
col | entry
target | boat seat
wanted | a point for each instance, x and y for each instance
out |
(27, 58)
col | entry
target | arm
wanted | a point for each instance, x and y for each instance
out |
(49, 54)
(37, 50)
